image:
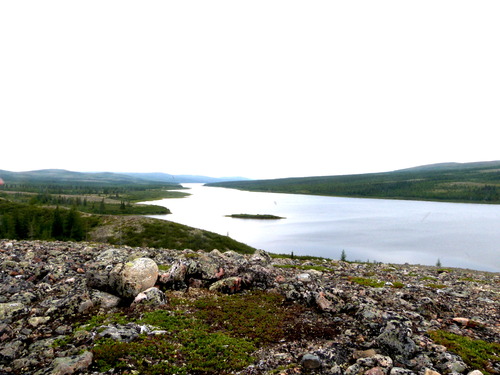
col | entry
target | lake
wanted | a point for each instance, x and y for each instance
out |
(389, 231)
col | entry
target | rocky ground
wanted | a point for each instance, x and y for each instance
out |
(346, 318)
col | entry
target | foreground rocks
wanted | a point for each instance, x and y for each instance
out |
(374, 318)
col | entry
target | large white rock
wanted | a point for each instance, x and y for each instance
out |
(137, 276)
(120, 277)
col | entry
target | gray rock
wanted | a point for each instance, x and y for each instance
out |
(105, 300)
(70, 365)
(400, 371)
(396, 338)
(228, 285)
(310, 361)
(10, 351)
(152, 296)
(118, 332)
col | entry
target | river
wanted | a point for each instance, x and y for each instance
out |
(389, 231)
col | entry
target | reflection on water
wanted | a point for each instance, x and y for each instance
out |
(390, 231)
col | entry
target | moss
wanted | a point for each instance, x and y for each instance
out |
(476, 353)
(368, 282)
(435, 286)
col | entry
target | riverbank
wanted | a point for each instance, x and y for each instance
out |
(86, 308)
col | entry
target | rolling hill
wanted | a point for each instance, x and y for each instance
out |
(457, 182)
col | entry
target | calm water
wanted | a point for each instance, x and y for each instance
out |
(390, 231)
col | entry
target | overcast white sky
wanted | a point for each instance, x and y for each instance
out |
(260, 89)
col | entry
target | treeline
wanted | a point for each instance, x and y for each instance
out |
(82, 189)
(93, 206)
(23, 221)
(475, 185)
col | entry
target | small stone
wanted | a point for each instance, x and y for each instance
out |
(37, 320)
(375, 371)
(431, 372)
(364, 353)
(310, 361)
(304, 277)
(463, 321)
(475, 372)
(400, 371)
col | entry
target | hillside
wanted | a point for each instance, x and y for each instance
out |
(456, 182)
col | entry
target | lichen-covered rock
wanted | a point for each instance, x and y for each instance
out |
(396, 338)
(70, 365)
(229, 285)
(11, 309)
(152, 297)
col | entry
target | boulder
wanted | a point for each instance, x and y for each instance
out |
(229, 285)
(137, 276)
(126, 280)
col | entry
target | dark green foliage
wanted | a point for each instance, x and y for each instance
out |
(211, 334)
(22, 221)
(368, 282)
(478, 354)
(474, 182)
(258, 316)
(169, 235)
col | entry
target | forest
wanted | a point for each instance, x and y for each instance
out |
(453, 182)
(50, 205)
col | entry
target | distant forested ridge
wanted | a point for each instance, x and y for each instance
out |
(453, 182)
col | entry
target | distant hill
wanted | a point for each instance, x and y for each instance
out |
(183, 178)
(61, 176)
(457, 182)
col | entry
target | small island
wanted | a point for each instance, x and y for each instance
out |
(255, 216)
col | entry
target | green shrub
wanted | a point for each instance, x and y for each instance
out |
(475, 353)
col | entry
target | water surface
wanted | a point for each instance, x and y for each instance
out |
(389, 231)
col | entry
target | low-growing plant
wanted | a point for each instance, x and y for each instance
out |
(398, 284)
(476, 353)
(368, 282)
(100, 320)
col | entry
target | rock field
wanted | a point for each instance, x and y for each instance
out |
(370, 318)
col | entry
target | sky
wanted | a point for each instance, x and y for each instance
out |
(260, 89)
